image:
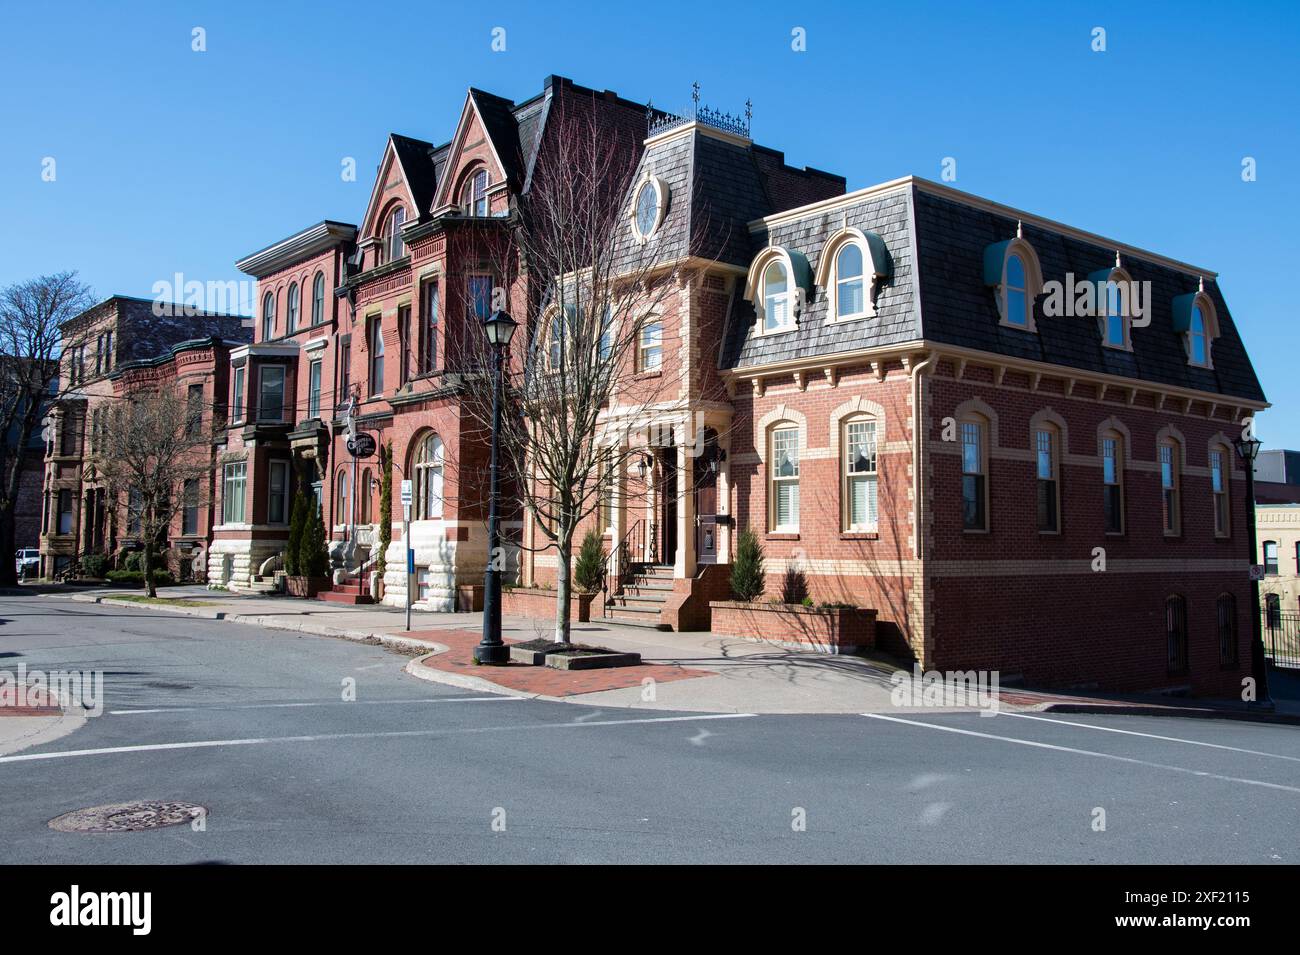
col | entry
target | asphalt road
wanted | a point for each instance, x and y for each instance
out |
(251, 724)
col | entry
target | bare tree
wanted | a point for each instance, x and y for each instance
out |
(31, 314)
(151, 444)
(590, 308)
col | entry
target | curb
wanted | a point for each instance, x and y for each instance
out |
(1183, 712)
(417, 669)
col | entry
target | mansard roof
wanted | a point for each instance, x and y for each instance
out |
(937, 293)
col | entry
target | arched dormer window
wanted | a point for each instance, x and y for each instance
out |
(393, 247)
(268, 316)
(318, 299)
(778, 282)
(1011, 268)
(851, 269)
(1197, 320)
(1116, 306)
(473, 193)
(291, 309)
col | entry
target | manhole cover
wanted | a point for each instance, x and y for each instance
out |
(127, 817)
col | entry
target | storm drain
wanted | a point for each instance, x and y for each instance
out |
(127, 817)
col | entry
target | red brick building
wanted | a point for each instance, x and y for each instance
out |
(124, 344)
(883, 384)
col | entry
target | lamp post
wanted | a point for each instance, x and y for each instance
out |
(500, 328)
(1247, 449)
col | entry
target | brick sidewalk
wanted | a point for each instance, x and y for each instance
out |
(459, 659)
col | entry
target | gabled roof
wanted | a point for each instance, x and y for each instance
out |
(421, 164)
(497, 116)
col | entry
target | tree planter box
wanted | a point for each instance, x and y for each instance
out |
(306, 586)
(535, 602)
(831, 630)
(591, 661)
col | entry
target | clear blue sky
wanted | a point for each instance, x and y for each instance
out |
(170, 160)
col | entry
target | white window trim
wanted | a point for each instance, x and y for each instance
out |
(755, 290)
(1121, 279)
(1033, 285)
(1210, 317)
(772, 479)
(661, 206)
(847, 476)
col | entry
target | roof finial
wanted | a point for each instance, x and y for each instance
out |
(749, 113)
(695, 95)
(1020, 232)
(1117, 262)
(1200, 283)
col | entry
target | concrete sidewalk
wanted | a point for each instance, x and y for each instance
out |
(729, 674)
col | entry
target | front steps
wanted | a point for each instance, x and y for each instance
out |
(348, 592)
(642, 601)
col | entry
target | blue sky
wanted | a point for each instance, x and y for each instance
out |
(170, 160)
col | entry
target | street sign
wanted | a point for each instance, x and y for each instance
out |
(362, 446)
(407, 493)
(1256, 571)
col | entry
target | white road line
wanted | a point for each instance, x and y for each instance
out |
(1168, 739)
(326, 737)
(1085, 752)
(277, 706)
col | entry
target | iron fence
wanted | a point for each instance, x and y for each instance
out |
(1282, 637)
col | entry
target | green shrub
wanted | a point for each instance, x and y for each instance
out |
(297, 522)
(589, 568)
(385, 507)
(133, 561)
(94, 565)
(747, 572)
(313, 552)
(161, 578)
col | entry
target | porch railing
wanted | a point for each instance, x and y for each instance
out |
(620, 565)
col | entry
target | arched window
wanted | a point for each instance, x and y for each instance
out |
(473, 195)
(1112, 481)
(777, 314)
(974, 470)
(341, 513)
(1011, 268)
(363, 496)
(428, 478)
(394, 247)
(268, 316)
(1219, 458)
(1170, 480)
(1016, 293)
(1115, 306)
(1047, 466)
(1176, 633)
(1198, 340)
(291, 309)
(375, 333)
(850, 297)
(1226, 612)
(783, 457)
(859, 474)
(318, 299)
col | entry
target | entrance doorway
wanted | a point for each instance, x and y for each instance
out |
(668, 505)
(706, 500)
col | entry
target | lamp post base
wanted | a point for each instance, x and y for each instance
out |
(497, 655)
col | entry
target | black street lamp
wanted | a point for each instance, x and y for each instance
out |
(1248, 449)
(500, 328)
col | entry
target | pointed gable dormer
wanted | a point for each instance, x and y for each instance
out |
(400, 196)
(483, 161)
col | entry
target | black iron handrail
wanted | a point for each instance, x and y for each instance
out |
(619, 566)
(1281, 634)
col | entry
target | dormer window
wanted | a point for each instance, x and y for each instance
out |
(474, 198)
(1198, 321)
(1016, 293)
(394, 248)
(649, 204)
(776, 299)
(1012, 268)
(1116, 307)
(1198, 342)
(848, 282)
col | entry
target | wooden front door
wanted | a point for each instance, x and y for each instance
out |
(706, 501)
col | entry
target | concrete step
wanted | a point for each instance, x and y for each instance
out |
(344, 597)
(650, 590)
(648, 600)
